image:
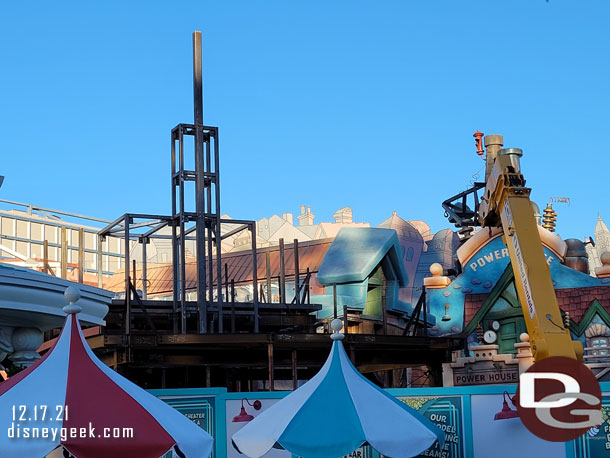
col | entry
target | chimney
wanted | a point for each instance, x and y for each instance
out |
(493, 144)
(306, 217)
(288, 217)
(343, 215)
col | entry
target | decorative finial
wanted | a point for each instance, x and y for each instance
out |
(550, 218)
(336, 325)
(524, 337)
(437, 280)
(436, 269)
(72, 295)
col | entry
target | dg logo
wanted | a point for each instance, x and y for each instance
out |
(559, 399)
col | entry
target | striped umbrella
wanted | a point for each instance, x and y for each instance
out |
(336, 412)
(70, 398)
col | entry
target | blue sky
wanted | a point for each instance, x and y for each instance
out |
(366, 104)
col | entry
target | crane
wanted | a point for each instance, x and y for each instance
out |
(506, 203)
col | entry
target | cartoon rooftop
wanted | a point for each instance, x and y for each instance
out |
(355, 253)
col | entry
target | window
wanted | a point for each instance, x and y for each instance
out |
(409, 255)
(599, 345)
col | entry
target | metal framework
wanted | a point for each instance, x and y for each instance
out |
(204, 220)
(457, 210)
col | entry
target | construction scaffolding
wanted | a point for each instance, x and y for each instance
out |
(203, 224)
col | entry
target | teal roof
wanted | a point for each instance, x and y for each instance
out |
(357, 251)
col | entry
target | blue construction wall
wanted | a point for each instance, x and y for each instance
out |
(466, 414)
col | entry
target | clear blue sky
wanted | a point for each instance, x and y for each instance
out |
(367, 104)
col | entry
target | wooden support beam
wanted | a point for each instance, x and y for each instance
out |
(45, 253)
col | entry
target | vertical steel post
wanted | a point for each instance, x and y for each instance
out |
(64, 254)
(134, 271)
(425, 312)
(144, 271)
(81, 255)
(217, 229)
(226, 297)
(271, 367)
(297, 299)
(99, 260)
(232, 306)
(268, 275)
(335, 299)
(308, 291)
(254, 274)
(208, 222)
(175, 263)
(210, 266)
(182, 238)
(295, 378)
(199, 183)
(126, 222)
(282, 274)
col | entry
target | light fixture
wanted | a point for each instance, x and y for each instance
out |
(506, 411)
(446, 316)
(245, 416)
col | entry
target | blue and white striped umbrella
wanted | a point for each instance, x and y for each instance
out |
(336, 412)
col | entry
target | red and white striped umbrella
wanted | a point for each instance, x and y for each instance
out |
(70, 398)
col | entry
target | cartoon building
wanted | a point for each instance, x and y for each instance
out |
(481, 303)
(601, 244)
(366, 268)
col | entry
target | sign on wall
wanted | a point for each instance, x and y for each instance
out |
(446, 413)
(200, 408)
(461, 377)
(596, 442)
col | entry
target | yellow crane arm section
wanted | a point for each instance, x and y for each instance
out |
(506, 203)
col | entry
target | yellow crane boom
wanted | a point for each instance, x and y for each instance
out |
(506, 203)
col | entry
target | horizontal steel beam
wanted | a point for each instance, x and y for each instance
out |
(59, 212)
